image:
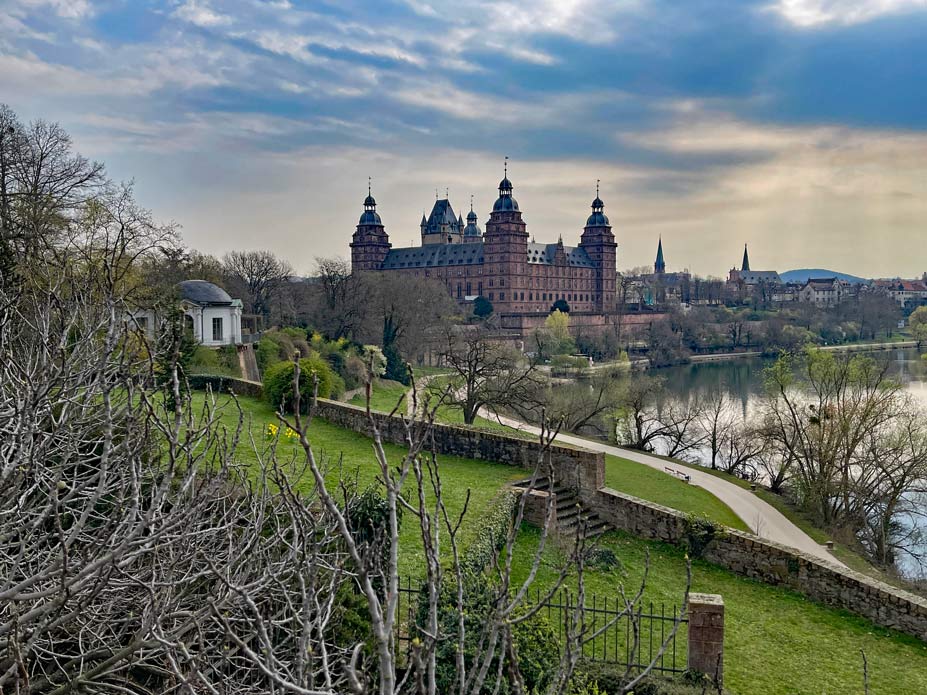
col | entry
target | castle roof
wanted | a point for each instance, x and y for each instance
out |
(545, 254)
(443, 219)
(434, 255)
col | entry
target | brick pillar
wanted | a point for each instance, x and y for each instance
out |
(706, 635)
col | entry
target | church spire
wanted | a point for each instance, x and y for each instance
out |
(659, 267)
(745, 266)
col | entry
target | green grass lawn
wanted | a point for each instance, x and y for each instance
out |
(652, 485)
(481, 478)
(386, 394)
(383, 397)
(776, 641)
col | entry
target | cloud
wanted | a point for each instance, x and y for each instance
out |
(813, 13)
(68, 9)
(199, 13)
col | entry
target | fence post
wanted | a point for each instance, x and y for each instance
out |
(706, 635)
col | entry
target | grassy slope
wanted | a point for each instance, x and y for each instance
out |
(458, 475)
(655, 486)
(775, 641)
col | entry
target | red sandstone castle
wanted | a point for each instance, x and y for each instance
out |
(519, 277)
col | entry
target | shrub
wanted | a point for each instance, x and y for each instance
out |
(492, 533)
(535, 640)
(482, 307)
(267, 353)
(699, 532)
(396, 369)
(278, 382)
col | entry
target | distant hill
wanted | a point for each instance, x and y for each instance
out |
(803, 274)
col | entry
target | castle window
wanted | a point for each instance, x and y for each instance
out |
(459, 291)
(501, 296)
(491, 296)
(502, 282)
(530, 296)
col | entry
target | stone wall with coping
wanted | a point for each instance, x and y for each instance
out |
(573, 467)
(772, 563)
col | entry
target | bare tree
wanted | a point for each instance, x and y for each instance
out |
(260, 274)
(488, 374)
(647, 417)
(341, 299)
(854, 444)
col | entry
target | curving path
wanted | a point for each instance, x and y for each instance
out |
(765, 520)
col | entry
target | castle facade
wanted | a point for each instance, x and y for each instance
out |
(518, 276)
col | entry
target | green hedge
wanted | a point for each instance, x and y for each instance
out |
(491, 535)
(226, 384)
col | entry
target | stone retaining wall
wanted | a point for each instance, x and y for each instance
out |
(576, 468)
(226, 384)
(772, 563)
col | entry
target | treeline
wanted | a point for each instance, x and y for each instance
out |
(702, 329)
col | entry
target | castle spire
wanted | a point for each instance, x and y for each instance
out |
(745, 266)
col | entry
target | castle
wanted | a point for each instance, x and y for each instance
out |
(519, 277)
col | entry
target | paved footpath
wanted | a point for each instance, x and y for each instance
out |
(765, 520)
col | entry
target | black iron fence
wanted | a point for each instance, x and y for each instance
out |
(646, 634)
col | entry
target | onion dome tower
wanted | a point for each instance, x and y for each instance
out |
(599, 243)
(472, 232)
(370, 242)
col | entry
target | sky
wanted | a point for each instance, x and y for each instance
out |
(798, 127)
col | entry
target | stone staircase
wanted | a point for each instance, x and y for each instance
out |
(572, 515)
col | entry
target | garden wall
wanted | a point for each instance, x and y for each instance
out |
(573, 467)
(775, 564)
(226, 384)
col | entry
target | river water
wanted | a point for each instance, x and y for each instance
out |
(742, 379)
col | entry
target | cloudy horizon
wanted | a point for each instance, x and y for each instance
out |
(795, 126)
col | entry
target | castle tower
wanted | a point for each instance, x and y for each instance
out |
(442, 225)
(659, 266)
(599, 243)
(370, 242)
(505, 252)
(472, 232)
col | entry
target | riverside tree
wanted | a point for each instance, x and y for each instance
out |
(854, 443)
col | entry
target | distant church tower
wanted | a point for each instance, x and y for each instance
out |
(370, 242)
(599, 243)
(745, 266)
(659, 267)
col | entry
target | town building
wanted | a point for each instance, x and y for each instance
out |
(210, 314)
(517, 275)
(824, 291)
(906, 292)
